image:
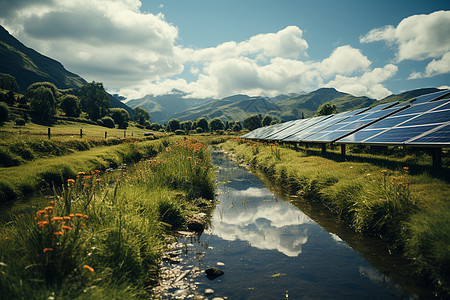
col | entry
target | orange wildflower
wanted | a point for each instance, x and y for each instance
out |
(383, 171)
(90, 269)
(67, 218)
(42, 223)
(57, 219)
(85, 216)
(81, 173)
(97, 171)
(92, 172)
(41, 212)
(66, 227)
(88, 177)
(70, 180)
(98, 179)
(49, 208)
(71, 215)
(79, 215)
(405, 168)
(58, 233)
(48, 249)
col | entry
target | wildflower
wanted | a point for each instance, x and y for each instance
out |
(97, 171)
(58, 233)
(124, 173)
(81, 173)
(42, 223)
(7, 238)
(70, 181)
(90, 269)
(71, 215)
(67, 218)
(383, 171)
(41, 212)
(88, 177)
(48, 249)
(49, 208)
(52, 203)
(86, 217)
(406, 168)
(79, 215)
(66, 227)
(98, 180)
(57, 219)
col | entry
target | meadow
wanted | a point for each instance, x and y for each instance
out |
(396, 198)
(102, 233)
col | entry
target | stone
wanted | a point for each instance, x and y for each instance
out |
(209, 291)
(213, 273)
(196, 225)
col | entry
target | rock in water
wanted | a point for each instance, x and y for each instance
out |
(213, 273)
(196, 225)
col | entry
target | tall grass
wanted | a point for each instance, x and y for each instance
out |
(103, 233)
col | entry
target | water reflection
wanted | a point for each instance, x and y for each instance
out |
(256, 216)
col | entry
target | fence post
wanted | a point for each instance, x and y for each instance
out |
(48, 133)
(106, 134)
(124, 134)
(81, 133)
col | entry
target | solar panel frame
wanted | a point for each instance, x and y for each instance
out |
(268, 130)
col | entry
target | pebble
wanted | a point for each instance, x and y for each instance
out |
(209, 291)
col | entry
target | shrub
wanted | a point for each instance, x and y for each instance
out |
(199, 129)
(4, 112)
(179, 132)
(6, 192)
(107, 122)
(20, 122)
(8, 159)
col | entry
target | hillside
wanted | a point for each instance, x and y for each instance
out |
(405, 96)
(29, 66)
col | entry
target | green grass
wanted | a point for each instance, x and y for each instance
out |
(402, 203)
(102, 235)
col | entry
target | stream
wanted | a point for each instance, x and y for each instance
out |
(269, 249)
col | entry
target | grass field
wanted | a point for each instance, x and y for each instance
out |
(102, 234)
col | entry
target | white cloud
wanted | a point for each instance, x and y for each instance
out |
(435, 67)
(369, 84)
(136, 53)
(418, 37)
(102, 40)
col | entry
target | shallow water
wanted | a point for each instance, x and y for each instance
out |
(269, 249)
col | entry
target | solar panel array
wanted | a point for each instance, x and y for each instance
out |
(423, 121)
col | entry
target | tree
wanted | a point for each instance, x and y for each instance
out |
(4, 113)
(8, 82)
(253, 122)
(236, 127)
(94, 100)
(70, 105)
(326, 109)
(120, 117)
(267, 120)
(107, 122)
(186, 125)
(216, 124)
(155, 126)
(54, 90)
(42, 103)
(140, 115)
(203, 124)
(9, 98)
(174, 124)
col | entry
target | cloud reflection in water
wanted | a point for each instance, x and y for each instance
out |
(254, 215)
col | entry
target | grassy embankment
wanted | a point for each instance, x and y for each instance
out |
(102, 235)
(412, 212)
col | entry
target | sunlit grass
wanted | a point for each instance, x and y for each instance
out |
(102, 235)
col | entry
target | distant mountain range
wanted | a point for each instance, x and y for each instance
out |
(29, 66)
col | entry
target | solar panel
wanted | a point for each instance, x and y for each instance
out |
(430, 97)
(262, 132)
(405, 125)
(352, 124)
(297, 128)
(299, 136)
(438, 136)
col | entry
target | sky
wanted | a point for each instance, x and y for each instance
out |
(212, 48)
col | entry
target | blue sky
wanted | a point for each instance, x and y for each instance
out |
(219, 48)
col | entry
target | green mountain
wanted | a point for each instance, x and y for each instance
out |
(29, 66)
